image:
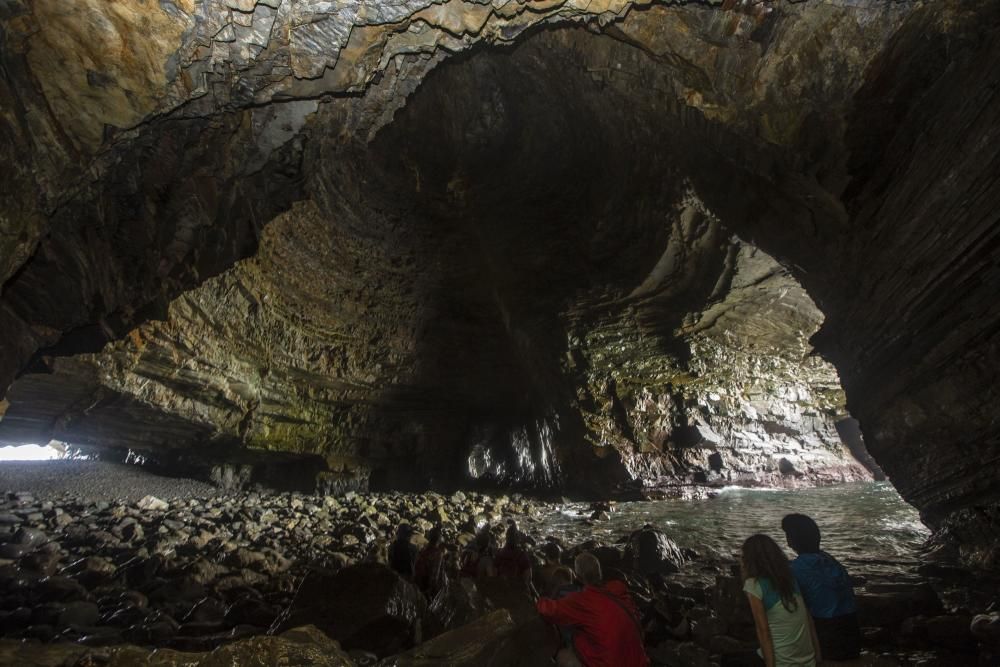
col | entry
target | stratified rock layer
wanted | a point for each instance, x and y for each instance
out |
(550, 264)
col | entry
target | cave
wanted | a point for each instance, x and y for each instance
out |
(596, 251)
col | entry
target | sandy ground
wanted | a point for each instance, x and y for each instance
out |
(95, 480)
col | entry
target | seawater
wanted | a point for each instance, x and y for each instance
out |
(867, 526)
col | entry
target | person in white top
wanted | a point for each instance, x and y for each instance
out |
(784, 626)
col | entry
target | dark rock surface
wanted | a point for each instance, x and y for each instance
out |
(595, 259)
(299, 646)
(207, 578)
(365, 606)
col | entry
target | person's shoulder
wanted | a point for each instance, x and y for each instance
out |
(616, 586)
(752, 586)
(806, 562)
(830, 560)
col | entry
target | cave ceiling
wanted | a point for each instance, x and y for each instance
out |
(541, 243)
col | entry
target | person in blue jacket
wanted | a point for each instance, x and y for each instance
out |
(826, 588)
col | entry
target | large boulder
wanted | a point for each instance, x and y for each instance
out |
(458, 603)
(650, 551)
(495, 640)
(888, 605)
(986, 628)
(365, 606)
(504, 593)
(299, 646)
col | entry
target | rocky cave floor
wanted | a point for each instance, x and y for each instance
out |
(94, 571)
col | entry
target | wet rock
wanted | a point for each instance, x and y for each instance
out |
(101, 636)
(301, 646)
(180, 589)
(44, 562)
(611, 558)
(154, 630)
(458, 603)
(707, 628)
(91, 571)
(729, 602)
(129, 530)
(13, 551)
(152, 503)
(42, 632)
(890, 608)
(59, 588)
(986, 628)
(250, 611)
(127, 615)
(692, 655)
(650, 551)
(725, 645)
(208, 610)
(493, 640)
(79, 614)
(365, 606)
(15, 619)
(951, 631)
(204, 572)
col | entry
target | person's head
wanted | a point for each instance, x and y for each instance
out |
(552, 552)
(588, 569)
(513, 539)
(762, 558)
(404, 531)
(801, 532)
(434, 536)
(484, 537)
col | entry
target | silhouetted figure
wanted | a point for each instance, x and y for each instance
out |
(784, 628)
(402, 552)
(826, 588)
(477, 557)
(513, 561)
(553, 565)
(428, 571)
(605, 621)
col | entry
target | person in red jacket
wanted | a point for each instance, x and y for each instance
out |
(605, 621)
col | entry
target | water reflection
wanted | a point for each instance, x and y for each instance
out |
(866, 525)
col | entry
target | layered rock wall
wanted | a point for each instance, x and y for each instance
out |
(490, 236)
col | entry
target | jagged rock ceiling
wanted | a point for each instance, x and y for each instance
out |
(231, 224)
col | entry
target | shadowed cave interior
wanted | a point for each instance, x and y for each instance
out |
(637, 254)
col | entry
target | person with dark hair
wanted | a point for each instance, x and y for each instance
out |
(784, 627)
(605, 621)
(477, 557)
(826, 588)
(513, 561)
(553, 555)
(428, 571)
(402, 552)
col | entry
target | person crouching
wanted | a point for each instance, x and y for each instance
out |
(606, 625)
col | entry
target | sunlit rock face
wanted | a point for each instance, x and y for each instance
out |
(563, 258)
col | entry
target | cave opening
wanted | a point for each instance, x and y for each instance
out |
(584, 300)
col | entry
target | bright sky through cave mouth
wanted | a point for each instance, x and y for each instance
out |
(28, 453)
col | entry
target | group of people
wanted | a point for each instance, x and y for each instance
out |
(430, 566)
(803, 610)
